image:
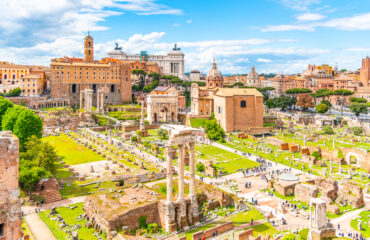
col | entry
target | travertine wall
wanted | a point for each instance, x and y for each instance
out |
(10, 214)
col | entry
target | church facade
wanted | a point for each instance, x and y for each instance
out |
(233, 108)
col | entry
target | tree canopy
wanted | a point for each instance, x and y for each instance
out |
(358, 108)
(27, 124)
(358, 100)
(5, 104)
(322, 108)
(298, 91)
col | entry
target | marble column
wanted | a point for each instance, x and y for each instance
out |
(169, 174)
(81, 99)
(98, 100)
(142, 117)
(192, 169)
(181, 172)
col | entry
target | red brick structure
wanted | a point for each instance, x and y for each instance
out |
(10, 205)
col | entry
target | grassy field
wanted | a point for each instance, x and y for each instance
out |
(224, 160)
(71, 152)
(69, 216)
(365, 218)
(198, 122)
(238, 219)
(124, 115)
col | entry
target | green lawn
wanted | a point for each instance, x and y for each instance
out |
(69, 216)
(365, 218)
(224, 160)
(123, 115)
(71, 152)
(75, 190)
(198, 122)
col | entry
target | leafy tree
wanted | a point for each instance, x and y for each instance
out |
(343, 93)
(358, 108)
(28, 124)
(321, 94)
(12, 93)
(270, 103)
(10, 117)
(284, 102)
(176, 81)
(239, 84)
(201, 167)
(186, 93)
(141, 74)
(327, 103)
(298, 91)
(40, 153)
(322, 108)
(340, 154)
(327, 129)
(200, 84)
(4, 105)
(154, 76)
(162, 133)
(358, 100)
(343, 70)
(305, 101)
(357, 130)
(316, 154)
(30, 176)
(214, 130)
(151, 87)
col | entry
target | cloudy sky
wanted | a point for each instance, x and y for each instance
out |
(273, 35)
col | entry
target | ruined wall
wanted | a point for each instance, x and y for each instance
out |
(304, 192)
(10, 214)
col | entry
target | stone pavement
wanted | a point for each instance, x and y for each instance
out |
(38, 228)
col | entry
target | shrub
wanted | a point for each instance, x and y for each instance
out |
(321, 108)
(162, 133)
(142, 222)
(327, 129)
(316, 154)
(357, 131)
(134, 139)
(201, 167)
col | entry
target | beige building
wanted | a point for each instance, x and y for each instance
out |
(162, 105)
(238, 108)
(234, 108)
(253, 79)
(70, 76)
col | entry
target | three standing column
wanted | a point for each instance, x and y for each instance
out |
(181, 172)
(169, 174)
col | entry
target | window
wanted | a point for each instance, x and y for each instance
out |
(112, 88)
(243, 104)
(2, 230)
(73, 88)
(219, 110)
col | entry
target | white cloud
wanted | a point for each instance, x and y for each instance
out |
(264, 60)
(176, 25)
(281, 28)
(359, 22)
(298, 5)
(310, 17)
(355, 23)
(189, 21)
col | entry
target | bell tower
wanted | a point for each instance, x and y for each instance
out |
(88, 48)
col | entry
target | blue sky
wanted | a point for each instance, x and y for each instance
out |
(273, 35)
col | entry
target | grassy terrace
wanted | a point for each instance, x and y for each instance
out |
(70, 216)
(222, 159)
(124, 115)
(71, 152)
(364, 218)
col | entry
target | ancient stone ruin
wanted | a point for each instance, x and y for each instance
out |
(10, 205)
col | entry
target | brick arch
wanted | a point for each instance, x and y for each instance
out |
(362, 157)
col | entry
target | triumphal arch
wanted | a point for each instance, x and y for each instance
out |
(184, 211)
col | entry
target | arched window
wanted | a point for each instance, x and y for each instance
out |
(74, 88)
(243, 104)
(89, 43)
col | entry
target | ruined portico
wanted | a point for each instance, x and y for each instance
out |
(184, 211)
(86, 100)
(319, 227)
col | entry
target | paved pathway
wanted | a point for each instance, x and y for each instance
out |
(29, 210)
(38, 228)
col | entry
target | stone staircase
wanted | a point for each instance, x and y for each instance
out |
(51, 195)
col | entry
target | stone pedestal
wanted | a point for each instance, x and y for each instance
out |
(170, 214)
(183, 220)
(194, 209)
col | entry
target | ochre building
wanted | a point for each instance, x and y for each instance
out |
(234, 108)
(70, 76)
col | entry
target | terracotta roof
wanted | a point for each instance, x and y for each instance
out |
(229, 92)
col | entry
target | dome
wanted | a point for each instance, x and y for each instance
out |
(175, 53)
(252, 74)
(214, 72)
(195, 71)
